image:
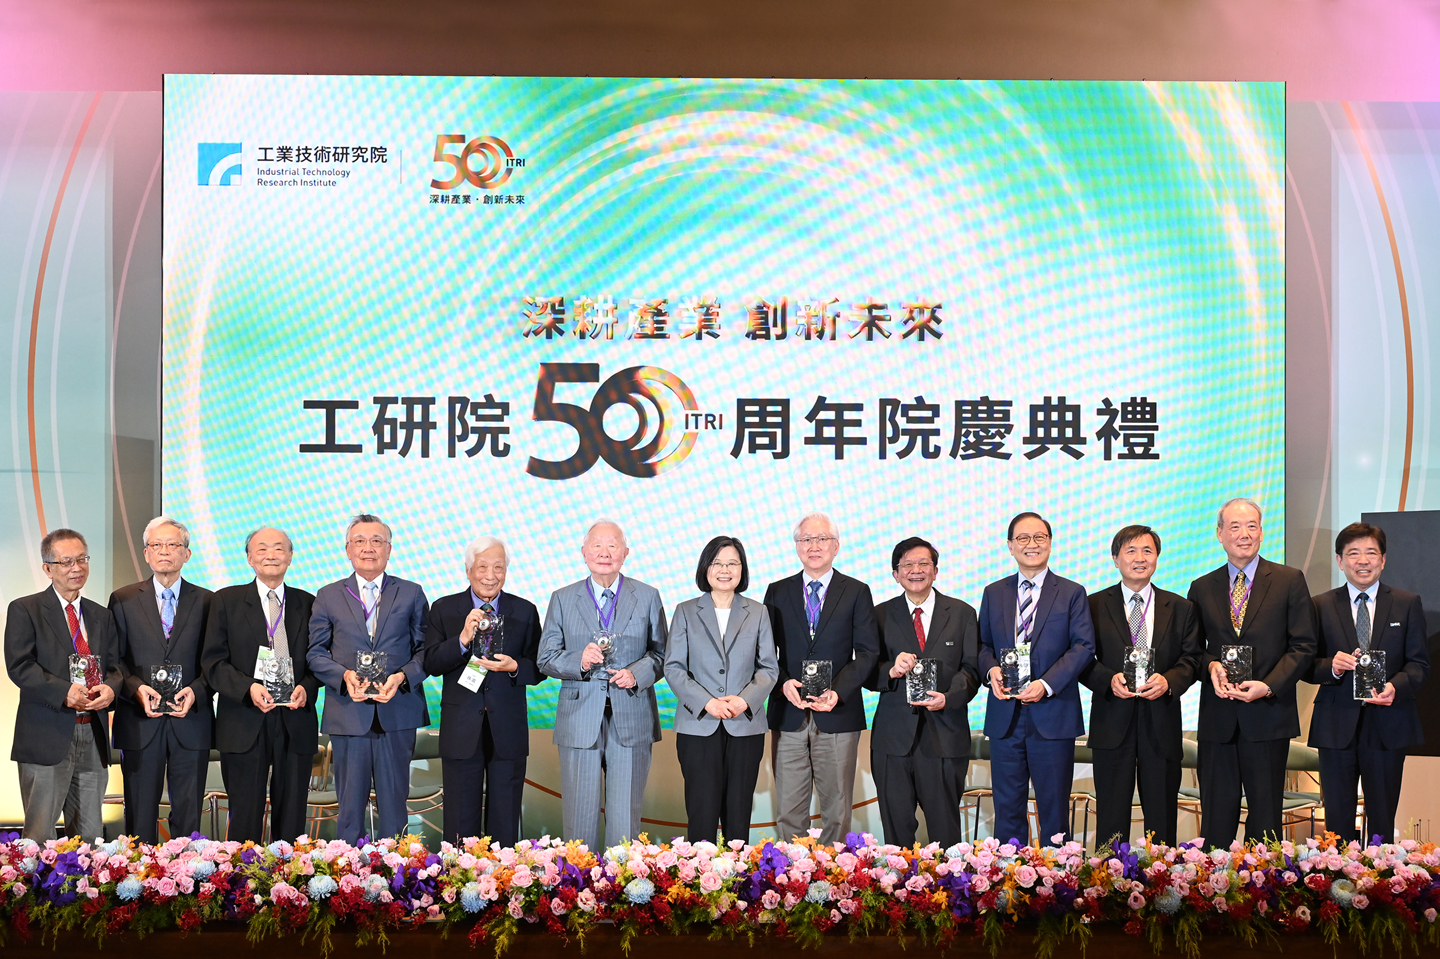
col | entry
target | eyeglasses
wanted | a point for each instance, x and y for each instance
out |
(814, 540)
(725, 567)
(375, 541)
(1025, 539)
(68, 562)
(916, 567)
(166, 547)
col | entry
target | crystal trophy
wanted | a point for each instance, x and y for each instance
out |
(605, 640)
(1014, 670)
(921, 681)
(167, 679)
(1238, 662)
(370, 668)
(85, 670)
(814, 678)
(1370, 677)
(1139, 665)
(278, 677)
(488, 636)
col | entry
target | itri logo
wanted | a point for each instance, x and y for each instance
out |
(493, 155)
(667, 421)
(219, 163)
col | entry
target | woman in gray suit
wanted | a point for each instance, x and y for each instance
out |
(720, 662)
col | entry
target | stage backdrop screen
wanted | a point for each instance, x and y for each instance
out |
(515, 305)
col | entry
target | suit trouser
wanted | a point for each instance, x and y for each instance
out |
(1379, 770)
(935, 782)
(246, 774)
(1225, 769)
(74, 786)
(381, 758)
(809, 761)
(625, 768)
(1139, 762)
(148, 769)
(720, 773)
(1023, 758)
(500, 781)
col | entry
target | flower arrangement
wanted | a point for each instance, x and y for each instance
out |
(1378, 896)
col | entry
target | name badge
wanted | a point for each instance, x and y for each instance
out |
(473, 674)
(264, 656)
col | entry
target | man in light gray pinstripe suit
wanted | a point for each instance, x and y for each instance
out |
(604, 714)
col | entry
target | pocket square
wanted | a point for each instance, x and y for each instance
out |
(950, 643)
(1394, 624)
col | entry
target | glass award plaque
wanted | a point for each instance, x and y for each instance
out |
(1370, 676)
(605, 640)
(1139, 664)
(85, 670)
(1015, 668)
(277, 674)
(488, 636)
(1238, 662)
(814, 678)
(167, 679)
(921, 681)
(370, 668)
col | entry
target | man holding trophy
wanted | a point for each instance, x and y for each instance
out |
(265, 725)
(604, 639)
(367, 638)
(929, 671)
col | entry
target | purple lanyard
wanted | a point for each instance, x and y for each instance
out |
(271, 628)
(605, 620)
(1234, 609)
(367, 610)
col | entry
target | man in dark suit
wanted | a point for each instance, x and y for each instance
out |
(819, 615)
(61, 744)
(1366, 740)
(263, 740)
(1246, 727)
(1135, 729)
(919, 750)
(1044, 620)
(372, 730)
(160, 622)
(484, 731)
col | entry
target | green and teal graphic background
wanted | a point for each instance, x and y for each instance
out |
(1089, 240)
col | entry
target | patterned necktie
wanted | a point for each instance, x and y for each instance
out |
(1027, 610)
(919, 629)
(279, 641)
(1362, 621)
(1239, 599)
(1137, 623)
(606, 613)
(82, 646)
(372, 606)
(812, 605)
(167, 610)
(487, 609)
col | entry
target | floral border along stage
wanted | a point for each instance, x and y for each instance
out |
(1379, 897)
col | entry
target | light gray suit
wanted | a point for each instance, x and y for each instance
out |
(699, 667)
(594, 720)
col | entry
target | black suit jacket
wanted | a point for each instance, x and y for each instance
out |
(954, 641)
(37, 656)
(1175, 640)
(233, 636)
(845, 634)
(1280, 626)
(502, 695)
(1397, 627)
(143, 644)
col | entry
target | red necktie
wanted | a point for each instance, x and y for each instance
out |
(919, 629)
(82, 647)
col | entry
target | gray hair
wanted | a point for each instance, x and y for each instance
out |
(47, 545)
(480, 544)
(1237, 501)
(830, 523)
(359, 518)
(605, 521)
(254, 532)
(163, 520)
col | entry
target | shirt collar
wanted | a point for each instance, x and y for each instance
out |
(64, 601)
(1231, 570)
(265, 592)
(477, 602)
(824, 581)
(160, 588)
(928, 607)
(1372, 591)
(1144, 594)
(1039, 579)
(613, 587)
(379, 581)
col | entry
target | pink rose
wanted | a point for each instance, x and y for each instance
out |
(980, 884)
(586, 900)
(770, 900)
(558, 907)
(432, 912)
(916, 883)
(710, 882)
(666, 859)
(1136, 901)
(166, 887)
(686, 872)
(791, 900)
(1360, 900)
(849, 907)
(1026, 876)
(522, 877)
(515, 909)
(1430, 915)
